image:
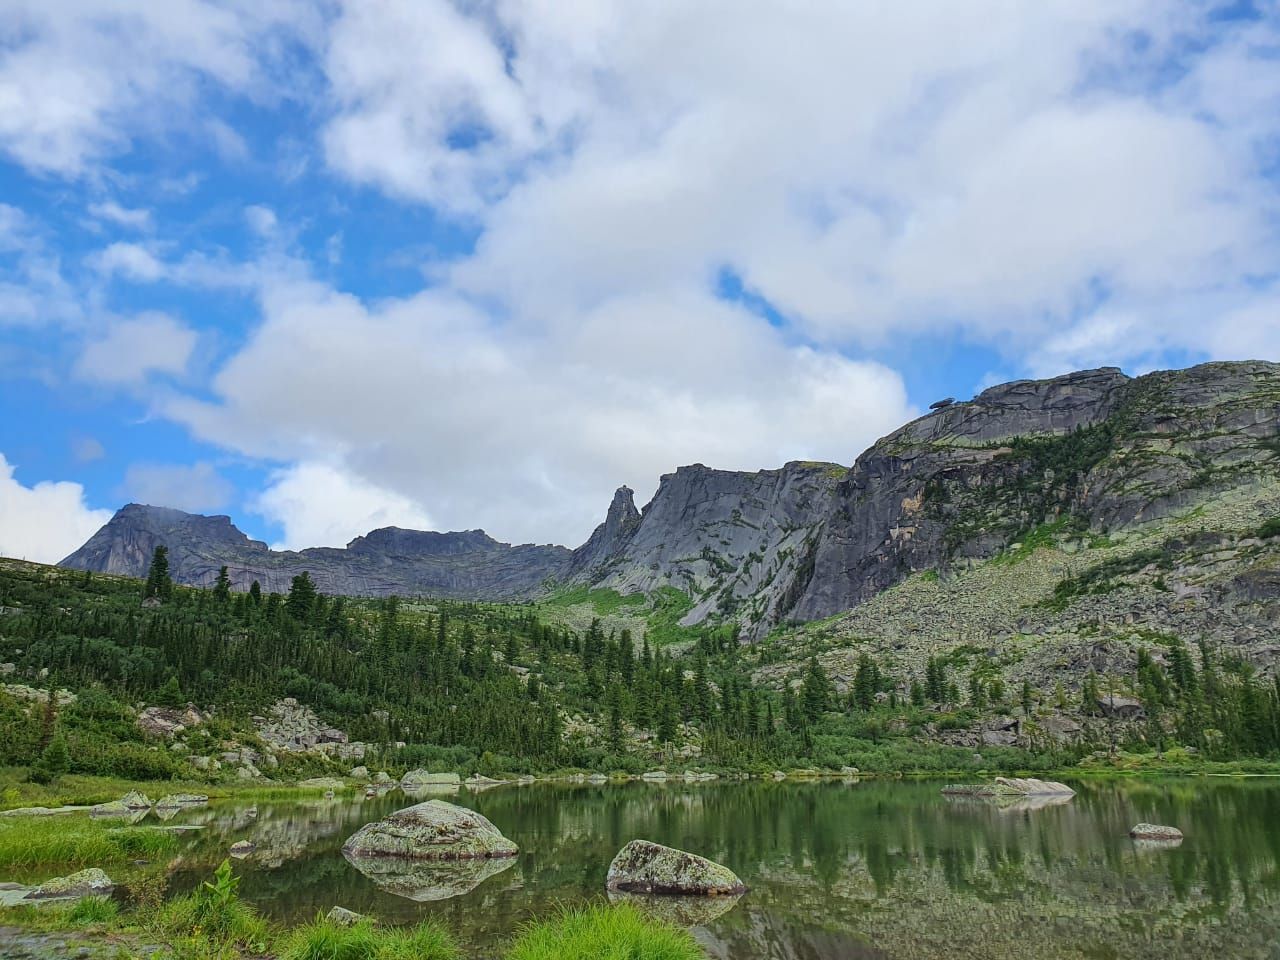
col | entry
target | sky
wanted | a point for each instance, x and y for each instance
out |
(331, 266)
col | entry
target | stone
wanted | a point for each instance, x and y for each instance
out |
(382, 777)
(242, 848)
(433, 830)
(1153, 831)
(681, 911)
(425, 778)
(344, 917)
(359, 773)
(168, 722)
(86, 883)
(654, 776)
(645, 867)
(1122, 708)
(1010, 787)
(174, 800)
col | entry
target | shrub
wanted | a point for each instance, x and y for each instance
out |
(601, 930)
(215, 914)
(1270, 529)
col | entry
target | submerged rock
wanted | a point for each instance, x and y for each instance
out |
(433, 830)
(427, 880)
(132, 804)
(645, 867)
(1154, 831)
(86, 883)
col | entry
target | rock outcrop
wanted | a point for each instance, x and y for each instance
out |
(651, 868)
(85, 883)
(1155, 831)
(433, 830)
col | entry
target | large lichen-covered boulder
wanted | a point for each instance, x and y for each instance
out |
(178, 800)
(1154, 831)
(645, 867)
(433, 830)
(86, 883)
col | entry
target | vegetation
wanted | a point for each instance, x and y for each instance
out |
(602, 931)
(77, 841)
(326, 940)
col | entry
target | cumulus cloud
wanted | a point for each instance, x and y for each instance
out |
(129, 350)
(195, 487)
(130, 260)
(322, 505)
(131, 217)
(45, 522)
(484, 425)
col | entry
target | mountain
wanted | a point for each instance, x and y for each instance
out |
(467, 565)
(1093, 453)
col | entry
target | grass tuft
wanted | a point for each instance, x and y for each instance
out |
(605, 931)
(93, 910)
(324, 940)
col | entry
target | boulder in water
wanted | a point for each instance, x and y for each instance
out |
(1154, 831)
(425, 778)
(645, 867)
(433, 830)
(242, 848)
(428, 880)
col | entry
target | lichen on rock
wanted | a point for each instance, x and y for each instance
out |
(645, 867)
(433, 830)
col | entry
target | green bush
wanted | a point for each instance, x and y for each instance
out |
(604, 931)
(1270, 529)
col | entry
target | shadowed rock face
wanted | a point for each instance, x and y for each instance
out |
(651, 868)
(434, 830)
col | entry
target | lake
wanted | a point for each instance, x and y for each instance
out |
(871, 869)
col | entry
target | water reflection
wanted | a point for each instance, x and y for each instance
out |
(427, 880)
(836, 870)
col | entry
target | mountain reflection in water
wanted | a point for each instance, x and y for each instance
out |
(836, 870)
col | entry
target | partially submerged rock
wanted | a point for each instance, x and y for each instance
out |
(1013, 787)
(428, 880)
(433, 830)
(323, 783)
(243, 848)
(179, 800)
(1155, 831)
(425, 778)
(645, 867)
(131, 804)
(86, 883)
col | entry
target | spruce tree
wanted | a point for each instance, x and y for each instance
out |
(159, 584)
(222, 586)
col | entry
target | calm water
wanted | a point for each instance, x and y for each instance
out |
(836, 870)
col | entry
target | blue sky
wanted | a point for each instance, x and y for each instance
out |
(331, 266)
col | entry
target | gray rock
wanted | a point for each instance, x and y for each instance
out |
(651, 868)
(425, 778)
(344, 917)
(426, 881)
(242, 848)
(1153, 831)
(86, 883)
(434, 830)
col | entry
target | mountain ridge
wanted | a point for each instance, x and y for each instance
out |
(807, 540)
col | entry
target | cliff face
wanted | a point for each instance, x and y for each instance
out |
(386, 561)
(1096, 449)
(732, 541)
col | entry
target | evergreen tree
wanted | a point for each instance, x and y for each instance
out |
(816, 691)
(159, 584)
(222, 586)
(302, 597)
(255, 593)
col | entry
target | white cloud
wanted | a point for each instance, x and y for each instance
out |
(131, 217)
(196, 487)
(129, 350)
(80, 79)
(322, 505)
(261, 220)
(527, 435)
(45, 522)
(129, 260)
(87, 449)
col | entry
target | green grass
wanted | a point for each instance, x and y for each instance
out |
(603, 932)
(604, 600)
(92, 911)
(324, 940)
(75, 840)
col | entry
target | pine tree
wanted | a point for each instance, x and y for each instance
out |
(255, 593)
(1026, 698)
(222, 587)
(56, 759)
(816, 693)
(302, 597)
(159, 584)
